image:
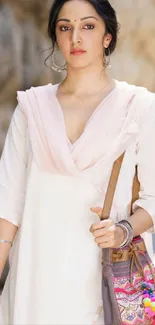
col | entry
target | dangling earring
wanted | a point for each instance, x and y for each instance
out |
(56, 67)
(107, 62)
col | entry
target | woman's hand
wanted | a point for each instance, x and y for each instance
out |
(106, 234)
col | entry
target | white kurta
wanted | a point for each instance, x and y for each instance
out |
(47, 187)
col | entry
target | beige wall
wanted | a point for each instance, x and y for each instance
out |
(134, 59)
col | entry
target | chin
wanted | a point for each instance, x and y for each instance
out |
(79, 65)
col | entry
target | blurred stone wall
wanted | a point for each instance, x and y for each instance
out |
(134, 59)
(23, 48)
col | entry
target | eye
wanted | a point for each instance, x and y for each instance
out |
(64, 28)
(89, 26)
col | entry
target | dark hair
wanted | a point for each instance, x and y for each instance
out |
(104, 10)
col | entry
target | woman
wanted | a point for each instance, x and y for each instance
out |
(55, 168)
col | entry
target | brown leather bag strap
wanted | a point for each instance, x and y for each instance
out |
(111, 188)
(135, 187)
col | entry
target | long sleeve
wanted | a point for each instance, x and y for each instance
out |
(13, 168)
(146, 166)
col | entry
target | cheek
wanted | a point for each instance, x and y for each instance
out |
(95, 45)
(63, 42)
(93, 39)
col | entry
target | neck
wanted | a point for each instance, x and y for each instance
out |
(91, 79)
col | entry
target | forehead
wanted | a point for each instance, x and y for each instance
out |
(76, 9)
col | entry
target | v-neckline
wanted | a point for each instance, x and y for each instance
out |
(73, 144)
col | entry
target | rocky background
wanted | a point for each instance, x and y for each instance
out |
(24, 46)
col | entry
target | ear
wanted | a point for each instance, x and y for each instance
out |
(107, 40)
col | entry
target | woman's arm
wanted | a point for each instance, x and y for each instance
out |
(140, 221)
(7, 232)
(13, 174)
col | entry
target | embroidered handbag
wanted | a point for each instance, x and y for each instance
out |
(128, 275)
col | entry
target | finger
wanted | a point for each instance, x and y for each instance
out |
(97, 210)
(109, 243)
(104, 232)
(103, 239)
(96, 226)
(108, 224)
(102, 224)
(99, 232)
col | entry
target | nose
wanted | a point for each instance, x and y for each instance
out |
(76, 36)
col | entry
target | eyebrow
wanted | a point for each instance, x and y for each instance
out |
(68, 21)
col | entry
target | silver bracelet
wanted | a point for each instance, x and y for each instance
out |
(123, 244)
(6, 241)
(129, 231)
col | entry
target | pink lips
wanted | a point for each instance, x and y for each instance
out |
(77, 52)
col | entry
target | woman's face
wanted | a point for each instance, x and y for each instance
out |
(80, 34)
